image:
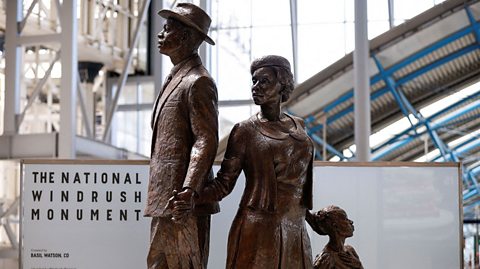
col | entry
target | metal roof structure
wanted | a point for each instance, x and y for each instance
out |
(429, 58)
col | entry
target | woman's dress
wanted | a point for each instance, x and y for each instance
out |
(269, 229)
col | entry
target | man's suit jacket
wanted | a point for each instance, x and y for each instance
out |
(185, 138)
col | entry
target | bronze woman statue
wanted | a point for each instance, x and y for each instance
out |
(275, 153)
(334, 222)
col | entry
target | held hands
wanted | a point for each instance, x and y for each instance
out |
(181, 204)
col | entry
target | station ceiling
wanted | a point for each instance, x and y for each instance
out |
(427, 59)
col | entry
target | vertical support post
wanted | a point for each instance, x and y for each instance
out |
(138, 128)
(54, 11)
(84, 18)
(68, 104)
(324, 137)
(13, 54)
(294, 29)
(362, 83)
(203, 51)
(127, 62)
(123, 27)
(49, 113)
(155, 56)
(425, 147)
(110, 88)
(391, 13)
(89, 107)
(91, 18)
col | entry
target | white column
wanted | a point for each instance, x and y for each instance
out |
(362, 83)
(127, 62)
(391, 13)
(294, 30)
(155, 56)
(204, 50)
(13, 54)
(68, 104)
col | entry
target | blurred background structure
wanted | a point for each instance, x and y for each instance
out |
(78, 79)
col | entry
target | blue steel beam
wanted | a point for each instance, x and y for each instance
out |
(474, 189)
(471, 173)
(308, 122)
(431, 118)
(437, 141)
(392, 87)
(471, 176)
(404, 104)
(469, 179)
(474, 24)
(406, 107)
(455, 114)
(471, 206)
(435, 125)
(439, 62)
(446, 153)
(388, 72)
(443, 121)
(349, 109)
(424, 52)
(463, 148)
(404, 63)
(443, 148)
(469, 194)
(329, 148)
(411, 76)
(476, 171)
(462, 120)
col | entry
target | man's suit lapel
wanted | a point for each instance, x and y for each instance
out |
(155, 105)
(177, 78)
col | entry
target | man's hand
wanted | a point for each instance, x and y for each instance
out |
(181, 204)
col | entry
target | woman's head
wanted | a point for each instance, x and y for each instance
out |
(276, 70)
(334, 221)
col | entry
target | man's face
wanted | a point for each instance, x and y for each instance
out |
(170, 38)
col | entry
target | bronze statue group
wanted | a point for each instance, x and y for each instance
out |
(271, 148)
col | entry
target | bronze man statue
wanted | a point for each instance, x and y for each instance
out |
(184, 144)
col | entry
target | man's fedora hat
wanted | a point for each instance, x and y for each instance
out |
(190, 15)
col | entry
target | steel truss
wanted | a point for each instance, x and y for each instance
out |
(105, 34)
(431, 127)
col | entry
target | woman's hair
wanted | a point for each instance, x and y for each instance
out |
(325, 219)
(282, 70)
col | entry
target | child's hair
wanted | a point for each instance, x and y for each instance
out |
(323, 220)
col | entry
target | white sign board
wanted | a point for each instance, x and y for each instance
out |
(89, 216)
(84, 215)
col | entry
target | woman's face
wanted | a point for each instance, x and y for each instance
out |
(266, 87)
(344, 225)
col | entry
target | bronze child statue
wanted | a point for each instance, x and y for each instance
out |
(333, 221)
(184, 144)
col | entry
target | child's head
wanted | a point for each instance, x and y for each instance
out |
(332, 220)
